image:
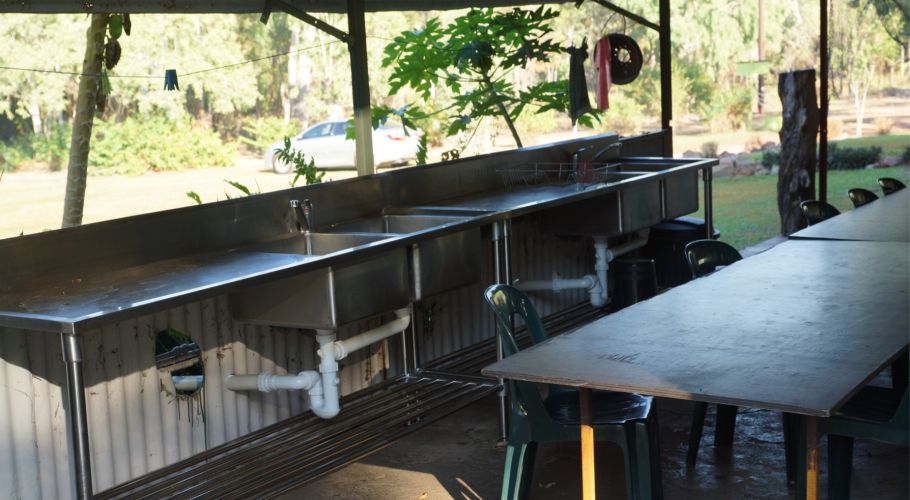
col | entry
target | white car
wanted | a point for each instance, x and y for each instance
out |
(326, 144)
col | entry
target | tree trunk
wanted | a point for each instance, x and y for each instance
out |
(34, 111)
(796, 179)
(89, 86)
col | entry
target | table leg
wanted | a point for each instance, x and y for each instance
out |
(75, 391)
(587, 445)
(812, 469)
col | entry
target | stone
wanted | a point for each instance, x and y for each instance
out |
(889, 161)
(740, 171)
(724, 167)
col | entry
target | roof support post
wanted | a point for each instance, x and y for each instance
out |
(360, 81)
(666, 75)
(823, 104)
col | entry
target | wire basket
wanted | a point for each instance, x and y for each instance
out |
(556, 173)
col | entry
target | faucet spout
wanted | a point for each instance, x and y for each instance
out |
(609, 147)
(303, 211)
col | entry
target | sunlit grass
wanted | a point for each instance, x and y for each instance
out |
(745, 208)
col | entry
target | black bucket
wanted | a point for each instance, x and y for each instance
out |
(635, 281)
(666, 245)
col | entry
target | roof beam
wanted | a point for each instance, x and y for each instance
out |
(303, 16)
(628, 14)
(240, 6)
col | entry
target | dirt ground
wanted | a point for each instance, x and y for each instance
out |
(457, 457)
(32, 202)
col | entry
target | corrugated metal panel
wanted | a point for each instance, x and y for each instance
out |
(459, 318)
(138, 423)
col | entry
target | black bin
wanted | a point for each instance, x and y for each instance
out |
(666, 245)
(635, 281)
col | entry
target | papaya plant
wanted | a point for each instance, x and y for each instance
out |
(473, 58)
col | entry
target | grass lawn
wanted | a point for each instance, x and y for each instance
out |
(745, 208)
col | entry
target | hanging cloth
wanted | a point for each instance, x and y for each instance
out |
(602, 56)
(579, 103)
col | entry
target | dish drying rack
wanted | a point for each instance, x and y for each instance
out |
(556, 173)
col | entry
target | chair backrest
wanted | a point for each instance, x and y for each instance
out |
(860, 196)
(817, 211)
(507, 302)
(890, 185)
(704, 256)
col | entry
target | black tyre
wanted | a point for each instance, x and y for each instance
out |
(280, 167)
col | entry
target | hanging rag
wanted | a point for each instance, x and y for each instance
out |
(602, 57)
(579, 104)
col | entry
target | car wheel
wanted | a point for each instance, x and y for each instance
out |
(280, 167)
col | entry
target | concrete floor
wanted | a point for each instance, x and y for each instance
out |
(457, 458)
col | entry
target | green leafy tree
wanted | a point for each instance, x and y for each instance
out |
(35, 100)
(473, 57)
(894, 16)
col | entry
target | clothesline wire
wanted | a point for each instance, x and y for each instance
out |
(191, 73)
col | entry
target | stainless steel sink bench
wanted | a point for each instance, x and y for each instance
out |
(280, 457)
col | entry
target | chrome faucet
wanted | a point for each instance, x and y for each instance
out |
(303, 210)
(609, 147)
(576, 156)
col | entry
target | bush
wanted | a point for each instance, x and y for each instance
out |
(49, 149)
(731, 110)
(852, 158)
(770, 157)
(133, 146)
(155, 143)
(257, 134)
(883, 125)
(905, 156)
(709, 149)
(624, 116)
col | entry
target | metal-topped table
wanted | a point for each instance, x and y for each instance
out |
(799, 328)
(885, 219)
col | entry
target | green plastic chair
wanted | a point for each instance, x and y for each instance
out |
(860, 196)
(890, 185)
(817, 211)
(874, 413)
(629, 420)
(704, 257)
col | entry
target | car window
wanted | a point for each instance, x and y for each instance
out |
(320, 130)
(339, 128)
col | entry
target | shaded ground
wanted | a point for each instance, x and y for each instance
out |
(457, 458)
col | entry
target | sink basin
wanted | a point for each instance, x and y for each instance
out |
(319, 243)
(397, 223)
(436, 264)
(332, 296)
(679, 189)
(635, 206)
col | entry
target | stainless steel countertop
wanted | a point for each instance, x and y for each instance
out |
(74, 302)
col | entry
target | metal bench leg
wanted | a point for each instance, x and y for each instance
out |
(75, 391)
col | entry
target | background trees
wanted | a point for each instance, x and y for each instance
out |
(301, 75)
